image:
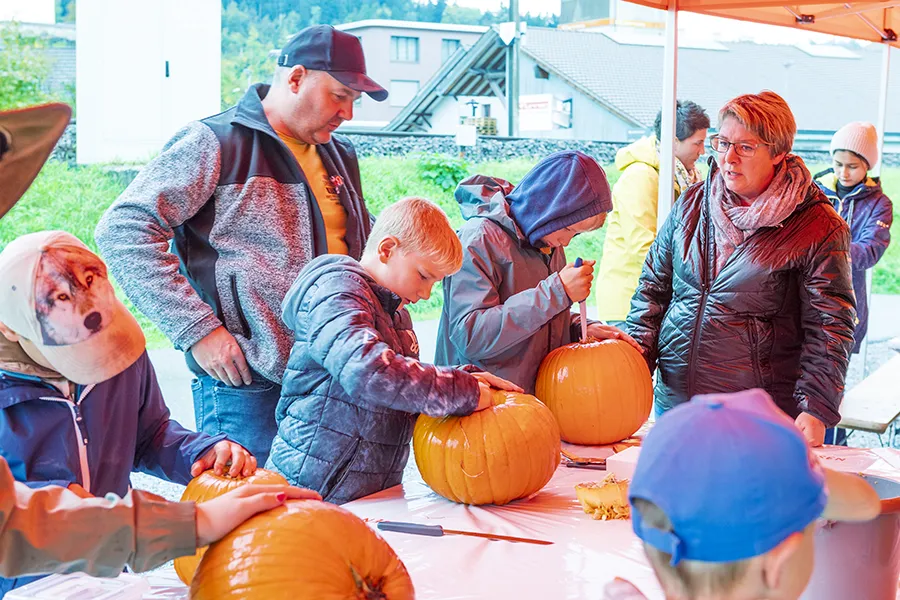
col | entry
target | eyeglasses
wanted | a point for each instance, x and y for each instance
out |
(744, 149)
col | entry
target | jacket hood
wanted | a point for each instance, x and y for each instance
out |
(324, 265)
(14, 359)
(643, 150)
(484, 197)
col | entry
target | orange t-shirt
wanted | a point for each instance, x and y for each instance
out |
(326, 197)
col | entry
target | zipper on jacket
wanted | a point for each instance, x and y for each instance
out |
(754, 353)
(74, 405)
(705, 278)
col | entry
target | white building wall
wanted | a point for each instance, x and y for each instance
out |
(590, 120)
(28, 11)
(144, 70)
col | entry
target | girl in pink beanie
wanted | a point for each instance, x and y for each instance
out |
(861, 202)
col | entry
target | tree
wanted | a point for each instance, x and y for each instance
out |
(23, 68)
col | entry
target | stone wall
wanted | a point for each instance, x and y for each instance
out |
(487, 149)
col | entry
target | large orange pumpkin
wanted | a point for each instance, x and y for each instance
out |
(303, 550)
(493, 456)
(206, 486)
(599, 392)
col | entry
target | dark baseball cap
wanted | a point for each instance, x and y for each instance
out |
(340, 54)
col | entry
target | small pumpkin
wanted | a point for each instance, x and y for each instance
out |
(493, 456)
(600, 391)
(303, 550)
(206, 486)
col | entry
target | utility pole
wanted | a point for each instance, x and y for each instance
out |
(512, 72)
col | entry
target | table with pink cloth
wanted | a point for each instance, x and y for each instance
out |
(585, 555)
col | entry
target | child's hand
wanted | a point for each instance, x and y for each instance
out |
(496, 382)
(219, 516)
(242, 462)
(622, 589)
(486, 397)
(79, 491)
(598, 331)
(577, 281)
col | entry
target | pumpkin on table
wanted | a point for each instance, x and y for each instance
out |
(207, 486)
(303, 550)
(599, 391)
(493, 456)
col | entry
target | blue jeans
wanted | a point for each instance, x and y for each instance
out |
(246, 414)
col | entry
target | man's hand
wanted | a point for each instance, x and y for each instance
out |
(79, 491)
(598, 331)
(577, 280)
(217, 458)
(812, 428)
(221, 357)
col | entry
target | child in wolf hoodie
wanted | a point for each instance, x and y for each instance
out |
(354, 385)
(508, 306)
(80, 406)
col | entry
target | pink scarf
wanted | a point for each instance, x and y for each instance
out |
(733, 221)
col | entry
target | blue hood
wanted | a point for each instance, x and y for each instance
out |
(561, 190)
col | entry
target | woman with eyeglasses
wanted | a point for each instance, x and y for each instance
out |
(748, 282)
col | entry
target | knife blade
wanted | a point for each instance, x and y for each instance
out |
(582, 307)
(438, 531)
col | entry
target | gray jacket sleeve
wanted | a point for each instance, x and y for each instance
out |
(342, 337)
(53, 530)
(135, 232)
(481, 326)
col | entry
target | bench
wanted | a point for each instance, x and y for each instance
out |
(874, 403)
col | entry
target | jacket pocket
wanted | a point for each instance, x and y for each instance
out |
(245, 326)
(340, 470)
(760, 351)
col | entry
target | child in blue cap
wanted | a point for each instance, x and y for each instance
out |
(725, 496)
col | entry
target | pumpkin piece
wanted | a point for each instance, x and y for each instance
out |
(606, 500)
(206, 486)
(302, 550)
(600, 391)
(493, 456)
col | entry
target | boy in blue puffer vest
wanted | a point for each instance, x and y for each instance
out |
(353, 385)
(80, 406)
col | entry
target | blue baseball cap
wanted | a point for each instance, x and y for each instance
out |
(732, 473)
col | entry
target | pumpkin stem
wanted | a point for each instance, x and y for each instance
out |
(365, 588)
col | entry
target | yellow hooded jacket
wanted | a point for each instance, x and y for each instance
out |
(630, 227)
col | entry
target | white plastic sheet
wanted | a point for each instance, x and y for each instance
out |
(585, 556)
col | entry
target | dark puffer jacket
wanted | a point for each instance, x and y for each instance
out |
(353, 387)
(779, 315)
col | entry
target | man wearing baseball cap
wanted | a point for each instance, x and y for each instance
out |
(725, 496)
(209, 237)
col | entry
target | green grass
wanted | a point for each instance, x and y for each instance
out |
(73, 199)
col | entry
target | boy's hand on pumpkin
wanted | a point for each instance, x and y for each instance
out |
(486, 396)
(217, 517)
(243, 464)
(496, 382)
(577, 281)
(599, 331)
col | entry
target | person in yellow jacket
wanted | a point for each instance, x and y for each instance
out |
(631, 226)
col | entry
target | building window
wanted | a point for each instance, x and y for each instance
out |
(402, 91)
(486, 111)
(448, 47)
(404, 49)
(540, 73)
